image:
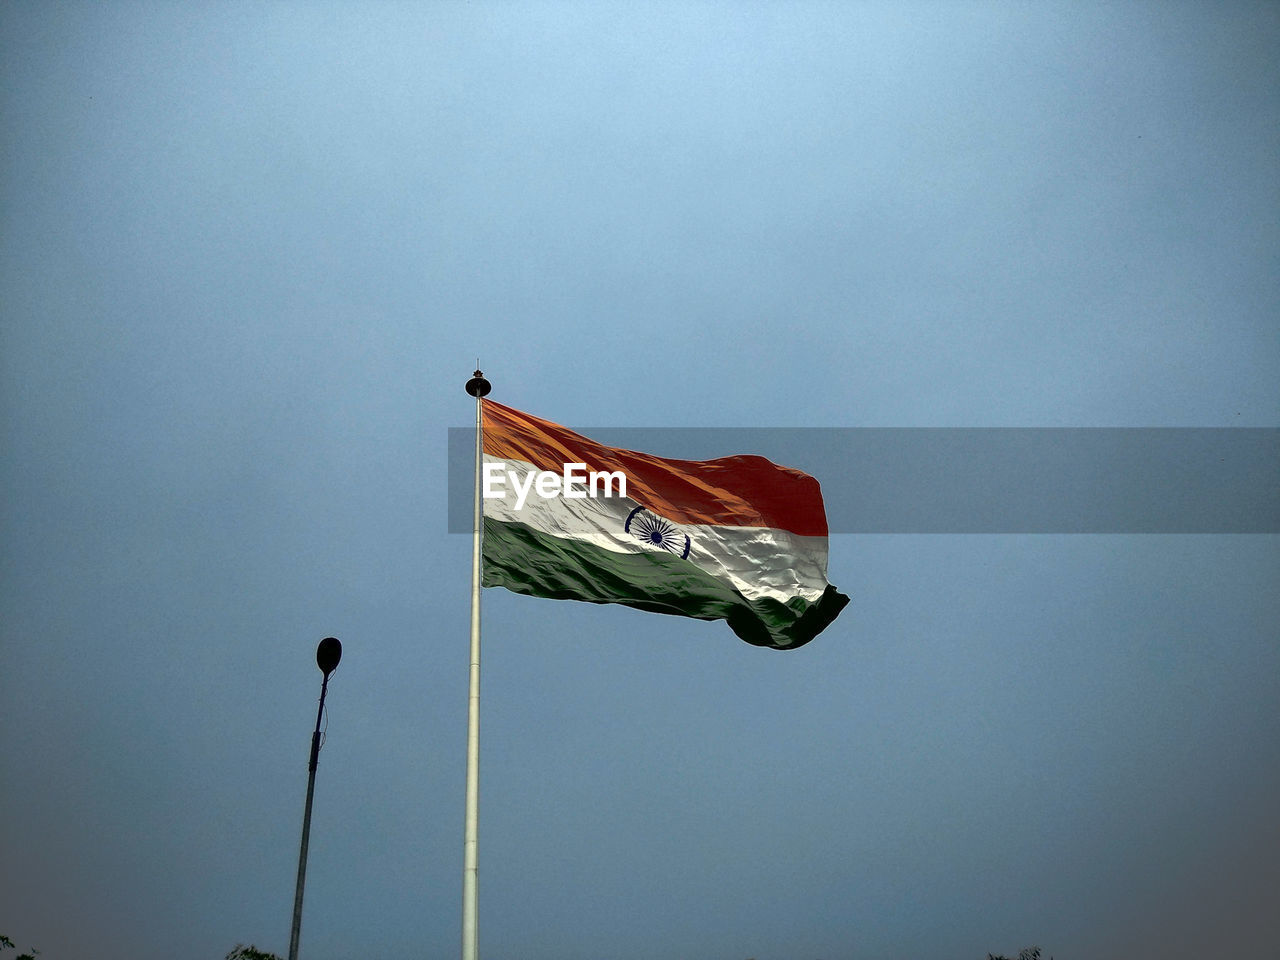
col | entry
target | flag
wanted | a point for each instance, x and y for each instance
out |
(738, 538)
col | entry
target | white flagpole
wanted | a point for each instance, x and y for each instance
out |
(477, 387)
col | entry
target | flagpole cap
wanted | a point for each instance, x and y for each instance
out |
(478, 386)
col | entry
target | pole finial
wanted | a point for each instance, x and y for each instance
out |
(478, 386)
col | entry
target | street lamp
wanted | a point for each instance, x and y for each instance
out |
(328, 653)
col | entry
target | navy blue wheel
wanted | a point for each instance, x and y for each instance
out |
(657, 532)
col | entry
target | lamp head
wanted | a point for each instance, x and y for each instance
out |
(328, 654)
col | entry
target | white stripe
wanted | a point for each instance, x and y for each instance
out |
(757, 561)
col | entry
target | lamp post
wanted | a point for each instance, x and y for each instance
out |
(328, 653)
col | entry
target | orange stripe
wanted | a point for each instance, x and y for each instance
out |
(743, 491)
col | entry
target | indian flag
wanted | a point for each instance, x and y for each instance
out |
(738, 539)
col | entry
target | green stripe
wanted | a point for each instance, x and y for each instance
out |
(530, 562)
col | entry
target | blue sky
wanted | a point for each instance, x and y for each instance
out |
(248, 256)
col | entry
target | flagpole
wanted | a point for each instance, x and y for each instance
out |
(477, 387)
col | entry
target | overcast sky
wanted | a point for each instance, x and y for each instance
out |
(249, 254)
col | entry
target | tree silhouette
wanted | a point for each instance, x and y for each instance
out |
(7, 944)
(1026, 953)
(241, 952)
